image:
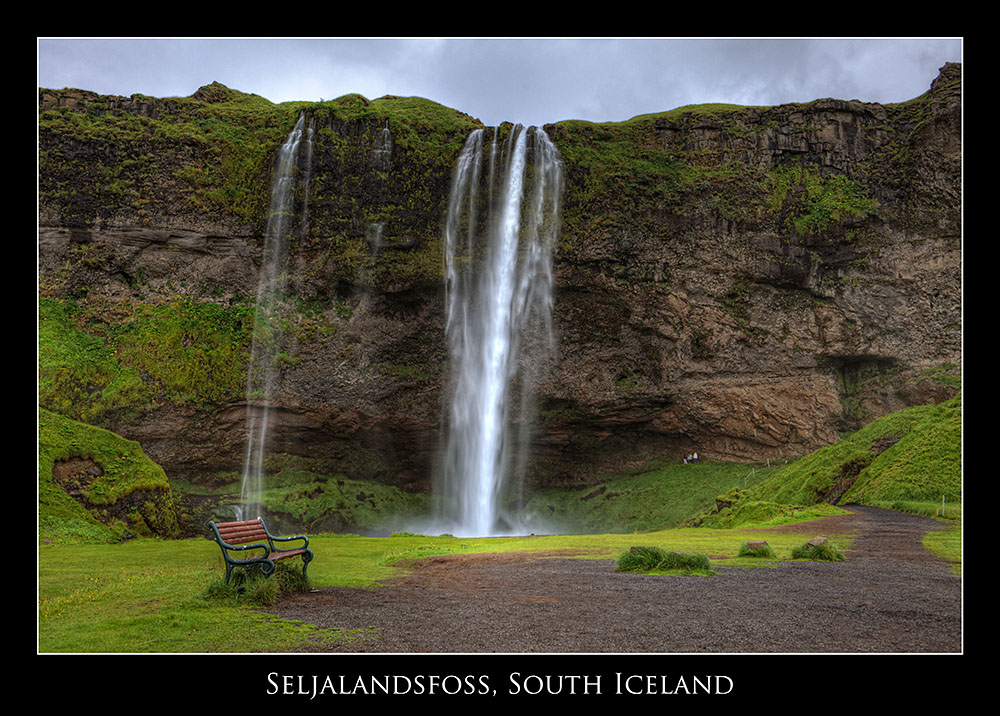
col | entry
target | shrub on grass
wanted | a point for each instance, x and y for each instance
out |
(821, 550)
(657, 559)
(290, 578)
(255, 589)
(757, 549)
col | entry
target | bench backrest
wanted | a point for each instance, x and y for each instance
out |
(243, 532)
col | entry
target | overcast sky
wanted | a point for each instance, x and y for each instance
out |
(531, 81)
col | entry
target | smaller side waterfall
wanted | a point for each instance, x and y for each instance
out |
(382, 151)
(498, 283)
(263, 374)
(381, 161)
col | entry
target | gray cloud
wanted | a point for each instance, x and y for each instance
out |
(533, 81)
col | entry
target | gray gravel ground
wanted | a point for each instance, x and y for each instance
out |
(889, 596)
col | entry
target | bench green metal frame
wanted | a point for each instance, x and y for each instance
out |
(253, 534)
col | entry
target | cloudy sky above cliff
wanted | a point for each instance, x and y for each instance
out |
(527, 80)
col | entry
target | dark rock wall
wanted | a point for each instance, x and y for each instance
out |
(716, 305)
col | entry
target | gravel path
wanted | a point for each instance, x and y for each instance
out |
(889, 596)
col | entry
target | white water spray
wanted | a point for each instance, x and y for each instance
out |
(498, 281)
(262, 375)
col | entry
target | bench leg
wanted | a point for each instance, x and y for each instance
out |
(306, 559)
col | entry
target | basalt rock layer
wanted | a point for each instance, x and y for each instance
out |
(744, 282)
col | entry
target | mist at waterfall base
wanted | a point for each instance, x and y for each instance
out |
(501, 227)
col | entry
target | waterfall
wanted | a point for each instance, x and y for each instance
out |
(382, 151)
(498, 283)
(263, 373)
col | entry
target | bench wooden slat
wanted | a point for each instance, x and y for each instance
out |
(241, 530)
(237, 526)
(236, 530)
(244, 540)
(243, 534)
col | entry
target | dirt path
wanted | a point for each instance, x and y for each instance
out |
(891, 595)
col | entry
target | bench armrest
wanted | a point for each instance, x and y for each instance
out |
(244, 547)
(305, 541)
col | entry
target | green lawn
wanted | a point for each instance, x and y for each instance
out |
(151, 595)
(947, 544)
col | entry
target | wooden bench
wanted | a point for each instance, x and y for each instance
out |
(253, 534)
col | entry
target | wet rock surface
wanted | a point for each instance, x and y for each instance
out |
(889, 596)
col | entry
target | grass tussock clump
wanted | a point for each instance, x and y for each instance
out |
(761, 550)
(657, 560)
(817, 550)
(255, 589)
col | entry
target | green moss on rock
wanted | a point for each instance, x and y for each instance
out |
(94, 485)
(96, 361)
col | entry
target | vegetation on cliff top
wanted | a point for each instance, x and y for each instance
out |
(714, 159)
(130, 160)
(209, 156)
(648, 174)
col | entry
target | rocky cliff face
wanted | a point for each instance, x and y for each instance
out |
(740, 282)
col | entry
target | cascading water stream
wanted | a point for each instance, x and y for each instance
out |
(498, 281)
(262, 375)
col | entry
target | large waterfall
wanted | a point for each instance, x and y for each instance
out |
(499, 237)
(267, 337)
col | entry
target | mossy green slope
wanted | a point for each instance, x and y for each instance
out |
(924, 465)
(908, 460)
(121, 490)
(96, 361)
(660, 497)
(319, 503)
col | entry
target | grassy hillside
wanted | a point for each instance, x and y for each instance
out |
(909, 461)
(94, 485)
(296, 499)
(658, 498)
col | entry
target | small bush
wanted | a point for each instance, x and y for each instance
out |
(255, 589)
(761, 551)
(822, 551)
(290, 579)
(656, 559)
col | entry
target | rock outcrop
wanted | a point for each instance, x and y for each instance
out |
(740, 282)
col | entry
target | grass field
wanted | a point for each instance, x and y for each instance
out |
(153, 595)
